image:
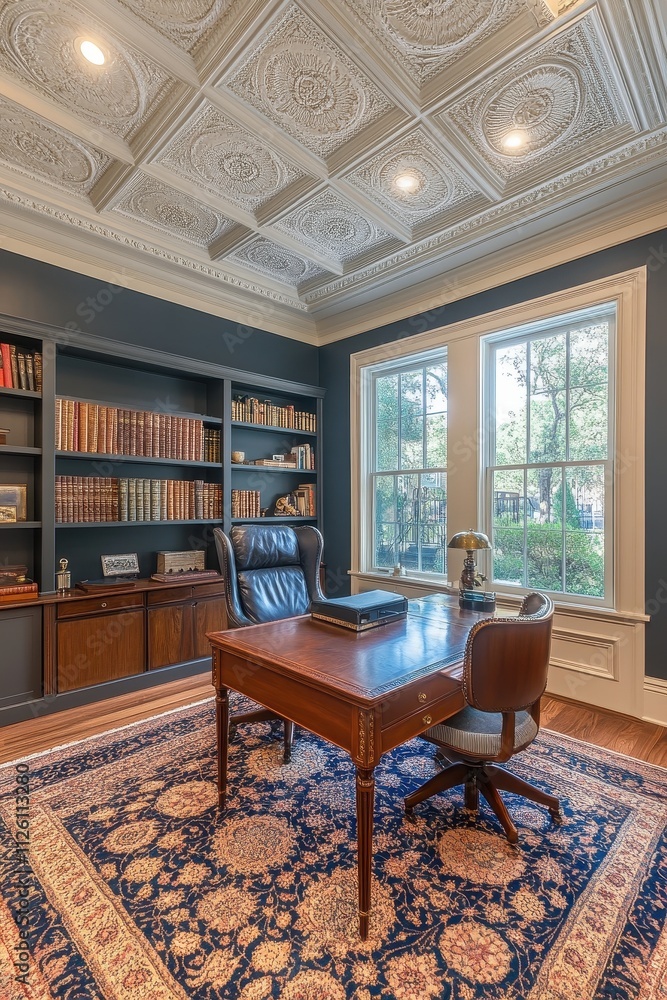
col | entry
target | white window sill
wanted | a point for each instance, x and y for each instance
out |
(504, 600)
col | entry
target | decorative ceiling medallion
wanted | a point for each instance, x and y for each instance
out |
(428, 26)
(43, 152)
(561, 98)
(38, 44)
(426, 36)
(331, 226)
(226, 160)
(306, 84)
(184, 22)
(439, 184)
(273, 261)
(152, 203)
(541, 104)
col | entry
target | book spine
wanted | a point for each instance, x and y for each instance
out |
(23, 376)
(7, 365)
(19, 588)
(38, 371)
(14, 366)
(30, 371)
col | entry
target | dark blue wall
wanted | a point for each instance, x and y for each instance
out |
(335, 377)
(42, 293)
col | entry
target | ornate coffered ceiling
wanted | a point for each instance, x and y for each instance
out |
(242, 156)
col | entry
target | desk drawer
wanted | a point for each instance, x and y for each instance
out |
(420, 694)
(403, 730)
(97, 605)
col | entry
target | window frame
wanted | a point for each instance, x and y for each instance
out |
(370, 374)
(464, 342)
(529, 333)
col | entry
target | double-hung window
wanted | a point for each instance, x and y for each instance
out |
(407, 498)
(525, 424)
(549, 447)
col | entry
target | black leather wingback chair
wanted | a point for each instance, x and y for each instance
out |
(271, 571)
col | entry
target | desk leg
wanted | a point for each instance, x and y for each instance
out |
(222, 733)
(365, 805)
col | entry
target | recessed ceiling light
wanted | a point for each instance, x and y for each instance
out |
(93, 53)
(407, 182)
(514, 139)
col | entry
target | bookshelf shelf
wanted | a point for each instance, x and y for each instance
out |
(20, 525)
(129, 524)
(272, 520)
(139, 459)
(272, 469)
(29, 393)
(293, 431)
(11, 449)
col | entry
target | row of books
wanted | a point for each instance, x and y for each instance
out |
(111, 430)
(20, 369)
(99, 499)
(245, 503)
(303, 498)
(304, 456)
(251, 410)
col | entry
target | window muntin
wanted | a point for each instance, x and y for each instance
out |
(408, 464)
(549, 472)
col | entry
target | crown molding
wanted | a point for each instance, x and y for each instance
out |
(159, 273)
(518, 259)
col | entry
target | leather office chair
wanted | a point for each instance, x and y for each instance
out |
(271, 572)
(504, 676)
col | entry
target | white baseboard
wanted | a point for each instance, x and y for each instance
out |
(655, 700)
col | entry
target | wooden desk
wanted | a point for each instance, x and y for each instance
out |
(366, 692)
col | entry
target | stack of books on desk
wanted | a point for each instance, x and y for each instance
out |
(15, 585)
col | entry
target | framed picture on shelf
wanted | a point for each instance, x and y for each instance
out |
(126, 564)
(14, 495)
(7, 513)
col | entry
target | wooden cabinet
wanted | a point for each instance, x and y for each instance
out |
(101, 638)
(97, 648)
(177, 628)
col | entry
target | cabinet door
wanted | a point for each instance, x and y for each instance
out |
(169, 635)
(100, 648)
(21, 640)
(209, 616)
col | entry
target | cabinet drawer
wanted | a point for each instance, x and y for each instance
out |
(93, 650)
(97, 605)
(419, 694)
(172, 595)
(208, 589)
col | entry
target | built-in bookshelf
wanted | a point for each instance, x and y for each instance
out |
(134, 446)
(278, 438)
(141, 443)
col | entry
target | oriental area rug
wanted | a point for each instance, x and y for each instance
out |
(121, 881)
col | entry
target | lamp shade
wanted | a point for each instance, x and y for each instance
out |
(469, 540)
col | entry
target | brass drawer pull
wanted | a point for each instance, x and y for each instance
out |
(422, 696)
(104, 604)
(427, 720)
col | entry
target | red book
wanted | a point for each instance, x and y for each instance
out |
(6, 366)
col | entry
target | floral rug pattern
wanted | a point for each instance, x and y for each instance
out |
(139, 888)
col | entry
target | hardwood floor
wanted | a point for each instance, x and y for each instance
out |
(606, 729)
